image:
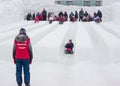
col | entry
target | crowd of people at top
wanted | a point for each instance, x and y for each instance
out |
(64, 16)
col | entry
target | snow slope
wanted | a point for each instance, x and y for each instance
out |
(96, 59)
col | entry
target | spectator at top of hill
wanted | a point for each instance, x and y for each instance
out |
(56, 18)
(94, 15)
(99, 13)
(66, 16)
(29, 16)
(86, 14)
(72, 17)
(44, 13)
(37, 14)
(76, 15)
(81, 14)
(33, 16)
(96, 18)
(60, 14)
(89, 18)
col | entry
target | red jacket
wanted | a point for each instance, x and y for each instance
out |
(22, 48)
(41, 17)
(36, 19)
(61, 19)
(73, 19)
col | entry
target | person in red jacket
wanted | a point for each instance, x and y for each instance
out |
(61, 20)
(22, 55)
(36, 20)
(41, 17)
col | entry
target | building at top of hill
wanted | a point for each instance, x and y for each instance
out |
(79, 2)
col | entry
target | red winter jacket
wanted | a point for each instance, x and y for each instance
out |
(61, 19)
(41, 17)
(36, 20)
(22, 48)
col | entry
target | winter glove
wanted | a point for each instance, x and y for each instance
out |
(30, 61)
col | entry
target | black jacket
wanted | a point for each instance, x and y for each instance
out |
(81, 13)
(99, 13)
(76, 15)
(69, 45)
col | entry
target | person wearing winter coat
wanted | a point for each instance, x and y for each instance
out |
(61, 19)
(29, 16)
(86, 14)
(85, 17)
(37, 14)
(81, 14)
(22, 56)
(73, 19)
(72, 16)
(76, 15)
(60, 14)
(44, 13)
(89, 18)
(51, 18)
(99, 13)
(69, 47)
(36, 20)
(66, 16)
(56, 18)
(41, 17)
(97, 19)
(94, 15)
(33, 16)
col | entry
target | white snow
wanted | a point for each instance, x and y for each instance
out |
(96, 58)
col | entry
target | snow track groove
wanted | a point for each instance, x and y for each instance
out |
(112, 42)
(43, 31)
(113, 30)
(50, 44)
(100, 47)
(70, 34)
(13, 27)
(11, 34)
(90, 40)
(84, 46)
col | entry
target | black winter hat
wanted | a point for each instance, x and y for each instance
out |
(22, 31)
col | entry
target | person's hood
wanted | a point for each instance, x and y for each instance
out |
(21, 38)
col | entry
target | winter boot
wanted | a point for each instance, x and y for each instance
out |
(19, 85)
(27, 85)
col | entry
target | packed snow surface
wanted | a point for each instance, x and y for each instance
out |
(96, 58)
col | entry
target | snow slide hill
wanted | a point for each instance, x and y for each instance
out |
(97, 40)
(95, 61)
